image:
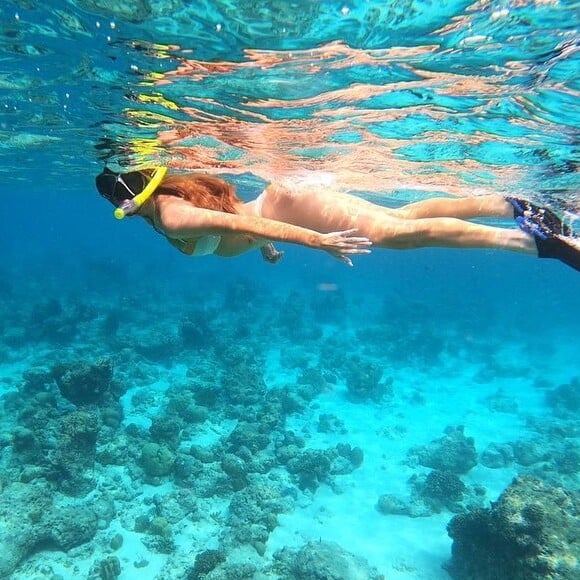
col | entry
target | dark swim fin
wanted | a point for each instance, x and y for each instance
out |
(541, 216)
(559, 249)
(551, 245)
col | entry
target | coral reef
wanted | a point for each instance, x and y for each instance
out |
(497, 455)
(252, 436)
(205, 562)
(454, 452)
(364, 380)
(431, 494)
(157, 460)
(312, 467)
(50, 321)
(294, 320)
(76, 450)
(243, 385)
(84, 383)
(253, 514)
(565, 399)
(33, 518)
(196, 331)
(231, 423)
(236, 469)
(318, 560)
(50, 440)
(443, 489)
(528, 452)
(161, 347)
(389, 504)
(165, 430)
(105, 569)
(328, 423)
(530, 533)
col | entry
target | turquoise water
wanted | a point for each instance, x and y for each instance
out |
(189, 418)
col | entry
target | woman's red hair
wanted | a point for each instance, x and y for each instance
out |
(203, 191)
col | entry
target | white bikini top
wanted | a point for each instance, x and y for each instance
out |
(206, 245)
(203, 246)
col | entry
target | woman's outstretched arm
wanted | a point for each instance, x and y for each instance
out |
(185, 221)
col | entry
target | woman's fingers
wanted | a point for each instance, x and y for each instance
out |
(348, 235)
(363, 242)
(346, 240)
(344, 243)
(355, 251)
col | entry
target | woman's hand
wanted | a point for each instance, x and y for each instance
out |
(343, 244)
(271, 254)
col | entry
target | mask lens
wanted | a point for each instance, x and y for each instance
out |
(118, 187)
(135, 182)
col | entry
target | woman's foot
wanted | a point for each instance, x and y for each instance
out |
(270, 253)
(541, 216)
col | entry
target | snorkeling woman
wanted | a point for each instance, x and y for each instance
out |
(201, 214)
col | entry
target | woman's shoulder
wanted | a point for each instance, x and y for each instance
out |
(167, 209)
(169, 204)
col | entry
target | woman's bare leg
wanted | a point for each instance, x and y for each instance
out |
(418, 225)
(463, 208)
(330, 211)
(446, 232)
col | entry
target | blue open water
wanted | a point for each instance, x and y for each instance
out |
(248, 379)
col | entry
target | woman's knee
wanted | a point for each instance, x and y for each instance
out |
(405, 235)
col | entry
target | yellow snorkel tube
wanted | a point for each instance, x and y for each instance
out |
(130, 206)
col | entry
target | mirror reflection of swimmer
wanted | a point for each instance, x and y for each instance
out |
(201, 214)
